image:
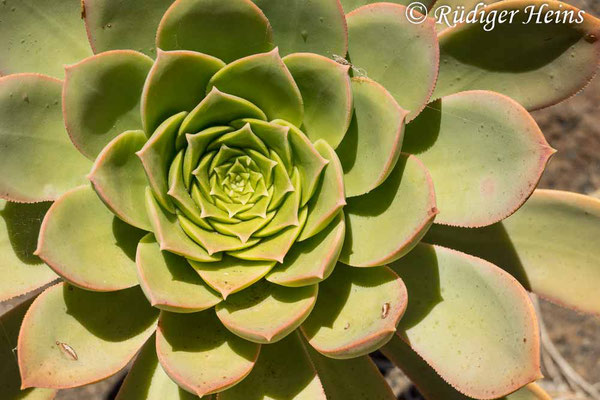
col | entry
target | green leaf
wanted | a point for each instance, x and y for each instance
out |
(357, 378)
(169, 282)
(350, 5)
(432, 386)
(101, 98)
(213, 242)
(377, 125)
(311, 261)
(119, 179)
(19, 230)
(37, 159)
(225, 29)
(41, 36)
(541, 65)
(171, 236)
(309, 27)
(387, 223)
(325, 88)
(264, 80)
(71, 337)
(549, 245)
(198, 353)
(357, 311)
(157, 155)
(77, 232)
(265, 312)
(148, 381)
(10, 380)
(485, 154)
(287, 214)
(128, 24)
(282, 370)
(176, 82)
(461, 341)
(381, 39)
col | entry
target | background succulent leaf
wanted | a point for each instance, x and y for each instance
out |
(169, 281)
(532, 69)
(395, 216)
(317, 27)
(357, 311)
(148, 381)
(283, 371)
(377, 125)
(103, 334)
(264, 80)
(129, 24)
(311, 261)
(37, 159)
(10, 380)
(496, 151)
(83, 242)
(266, 312)
(544, 245)
(30, 45)
(176, 82)
(381, 39)
(184, 343)
(227, 30)
(350, 5)
(119, 179)
(101, 98)
(19, 229)
(325, 88)
(432, 386)
(444, 286)
(345, 379)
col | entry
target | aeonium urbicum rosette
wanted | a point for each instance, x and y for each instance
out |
(250, 197)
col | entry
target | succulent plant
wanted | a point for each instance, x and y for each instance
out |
(242, 194)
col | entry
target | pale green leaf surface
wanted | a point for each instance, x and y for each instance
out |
(350, 5)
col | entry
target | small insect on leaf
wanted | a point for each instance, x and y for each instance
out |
(68, 350)
(385, 310)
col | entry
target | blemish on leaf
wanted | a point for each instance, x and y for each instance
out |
(67, 350)
(385, 310)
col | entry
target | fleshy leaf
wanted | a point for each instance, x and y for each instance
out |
(200, 355)
(384, 60)
(312, 260)
(264, 80)
(328, 198)
(230, 275)
(472, 354)
(119, 178)
(196, 147)
(148, 381)
(432, 386)
(82, 241)
(225, 29)
(169, 282)
(542, 64)
(170, 235)
(485, 154)
(395, 216)
(265, 312)
(19, 230)
(10, 381)
(357, 311)
(41, 36)
(177, 82)
(350, 5)
(37, 159)
(156, 156)
(549, 245)
(71, 337)
(312, 27)
(101, 98)
(282, 370)
(213, 242)
(130, 24)
(348, 379)
(377, 125)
